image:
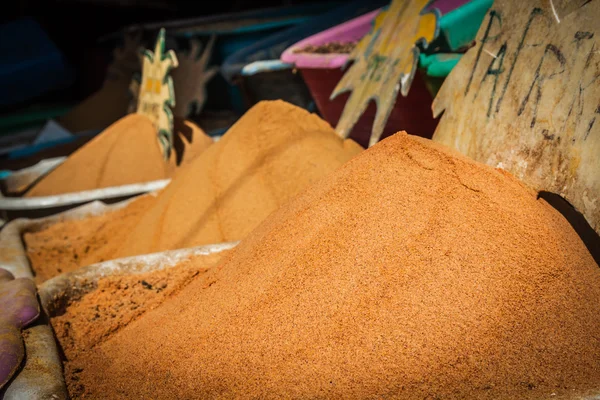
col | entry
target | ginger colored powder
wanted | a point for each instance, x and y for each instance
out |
(127, 152)
(116, 301)
(411, 273)
(68, 245)
(272, 153)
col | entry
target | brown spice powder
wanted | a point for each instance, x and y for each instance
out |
(189, 141)
(271, 154)
(409, 273)
(68, 245)
(127, 152)
(115, 302)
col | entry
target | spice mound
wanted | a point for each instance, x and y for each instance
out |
(114, 302)
(70, 244)
(411, 272)
(271, 154)
(127, 152)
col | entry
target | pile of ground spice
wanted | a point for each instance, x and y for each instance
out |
(127, 152)
(272, 153)
(328, 48)
(68, 245)
(114, 303)
(411, 272)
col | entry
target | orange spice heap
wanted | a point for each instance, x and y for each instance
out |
(271, 154)
(68, 245)
(411, 272)
(127, 152)
(274, 151)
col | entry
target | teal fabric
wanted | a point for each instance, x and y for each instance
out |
(439, 65)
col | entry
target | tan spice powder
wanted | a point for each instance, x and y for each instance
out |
(68, 245)
(115, 302)
(410, 273)
(127, 152)
(271, 154)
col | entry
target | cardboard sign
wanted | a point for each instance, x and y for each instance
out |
(526, 98)
(385, 62)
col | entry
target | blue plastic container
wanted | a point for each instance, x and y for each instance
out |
(31, 64)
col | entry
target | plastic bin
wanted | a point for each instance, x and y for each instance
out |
(322, 72)
(272, 47)
(260, 74)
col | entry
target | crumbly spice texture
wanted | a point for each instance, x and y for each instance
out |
(68, 245)
(114, 303)
(409, 273)
(127, 152)
(271, 154)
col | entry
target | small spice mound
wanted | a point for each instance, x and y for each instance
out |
(411, 272)
(68, 245)
(127, 152)
(329, 48)
(272, 153)
(116, 302)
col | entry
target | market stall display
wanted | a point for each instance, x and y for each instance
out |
(283, 260)
(138, 153)
(259, 73)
